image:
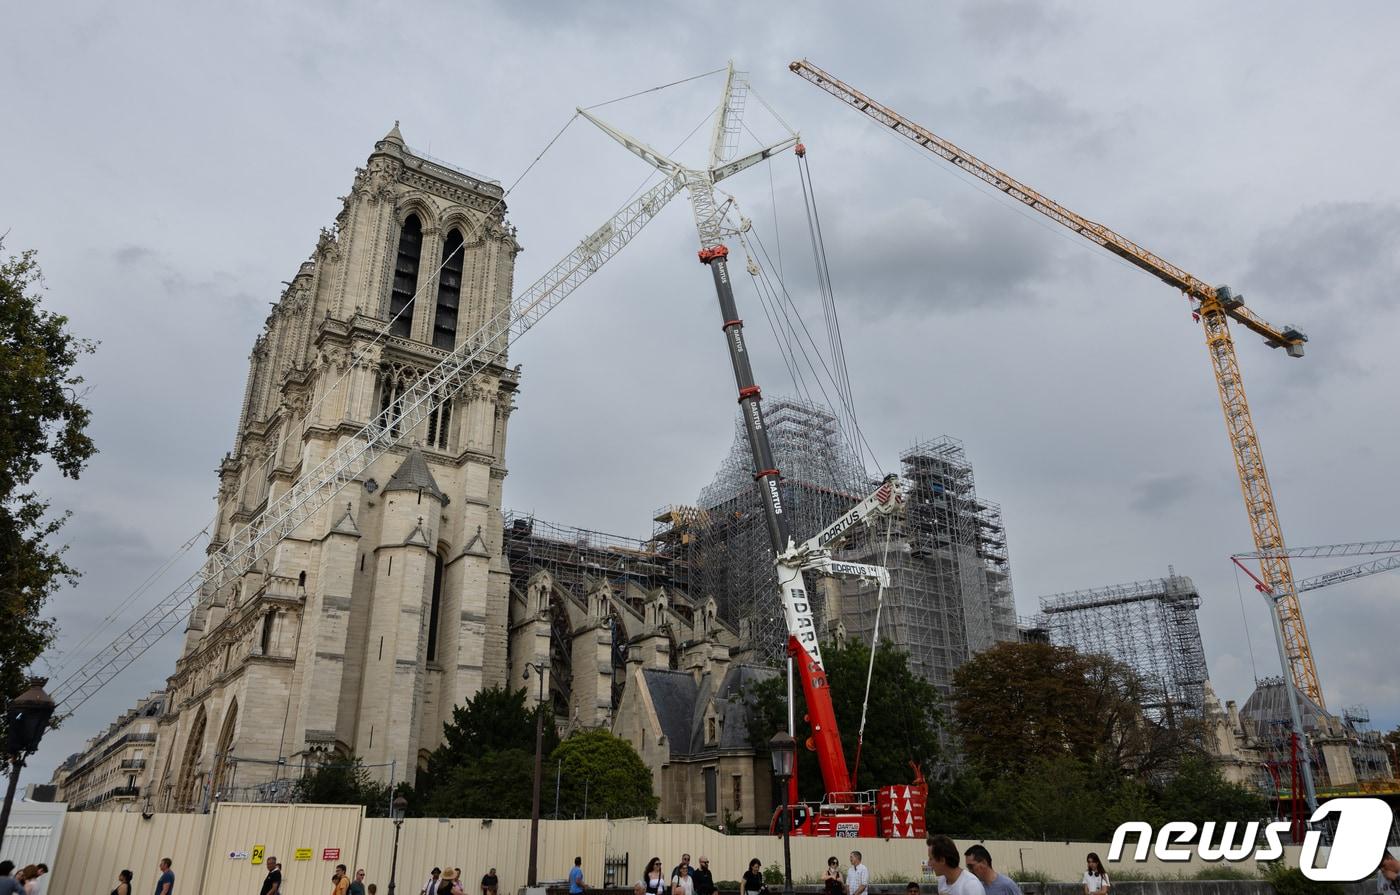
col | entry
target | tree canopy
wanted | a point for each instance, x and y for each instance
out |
(902, 724)
(41, 417)
(337, 780)
(486, 763)
(601, 775)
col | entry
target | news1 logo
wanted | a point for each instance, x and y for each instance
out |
(1362, 828)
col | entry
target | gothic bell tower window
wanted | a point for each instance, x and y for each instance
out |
(449, 292)
(406, 277)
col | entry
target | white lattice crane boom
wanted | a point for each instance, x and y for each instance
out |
(317, 487)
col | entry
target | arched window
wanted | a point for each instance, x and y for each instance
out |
(449, 292)
(406, 277)
(435, 608)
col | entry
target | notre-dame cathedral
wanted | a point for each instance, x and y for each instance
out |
(360, 633)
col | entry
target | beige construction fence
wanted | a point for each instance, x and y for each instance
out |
(222, 853)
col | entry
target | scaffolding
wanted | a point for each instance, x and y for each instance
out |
(1150, 626)
(950, 579)
(950, 590)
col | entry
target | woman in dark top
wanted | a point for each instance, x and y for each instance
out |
(123, 883)
(753, 877)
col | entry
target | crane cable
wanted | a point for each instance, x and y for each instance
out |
(874, 647)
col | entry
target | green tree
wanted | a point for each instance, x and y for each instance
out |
(1018, 703)
(1198, 792)
(41, 416)
(337, 780)
(477, 769)
(902, 724)
(604, 773)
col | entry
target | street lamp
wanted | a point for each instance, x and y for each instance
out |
(26, 718)
(783, 750)
(400, 806)
(531, 876)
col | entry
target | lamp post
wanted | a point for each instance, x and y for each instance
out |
(400, 806)
(26, 718)
(531, 877)
(783, 750)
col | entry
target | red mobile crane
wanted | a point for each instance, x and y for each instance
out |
(890, 811)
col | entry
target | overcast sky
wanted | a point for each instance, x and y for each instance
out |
(173, 164)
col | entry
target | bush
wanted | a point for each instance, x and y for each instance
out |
(1224, 872)
(773, 874)
(1291, 881)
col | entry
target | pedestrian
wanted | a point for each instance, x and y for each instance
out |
(912, 889)
(490, 883)
(1388, 875)
(943, 860)
(676, 871)
(979, 864)
(576, 883)
(638, 888)
(653, 879)
(832, 884)
(123, 883)
(446, 883)
(683, 882)
(27, 877)
(753, 878)
(8, 884)
(431, 886)
(272, 883)
(340, 880)
(1095, 877)
(858, 876)
(704, 879)
(357, 885)
(373, 889)
(457, 882)
(166, 884)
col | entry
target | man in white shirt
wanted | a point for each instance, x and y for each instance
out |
(943, 859)
(858, 877)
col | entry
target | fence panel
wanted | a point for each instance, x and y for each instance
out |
(96, 845)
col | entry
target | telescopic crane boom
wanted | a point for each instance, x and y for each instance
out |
(1214, 306)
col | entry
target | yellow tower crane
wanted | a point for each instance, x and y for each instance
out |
(1212, 304)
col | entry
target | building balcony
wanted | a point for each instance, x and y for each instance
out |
(132, 764)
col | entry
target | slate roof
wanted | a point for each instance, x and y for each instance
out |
(681, 704)
(412, 474)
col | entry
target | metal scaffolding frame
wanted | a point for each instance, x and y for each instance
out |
(1150, 626)
(950, 591)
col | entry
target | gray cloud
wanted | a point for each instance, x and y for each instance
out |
(1078, 384)
(1159, 493)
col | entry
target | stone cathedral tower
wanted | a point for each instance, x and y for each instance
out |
(359, 633)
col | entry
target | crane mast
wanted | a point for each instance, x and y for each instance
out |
(1215, 307)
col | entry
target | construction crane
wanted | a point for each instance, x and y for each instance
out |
(895, 811)
(394, 425)
(1213, 306)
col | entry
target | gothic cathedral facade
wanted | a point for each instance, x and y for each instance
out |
(360, 632)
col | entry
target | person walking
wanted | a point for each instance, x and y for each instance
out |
(490, 882)
(123, 883)
(979, 864)
(683, 884)
(858, 876)
(8, 884)
(654, 879)
(943, 860)
(676, 871)
(340, 880)
(832, 883)
(753, 878)
(165, 885)
(431, 886)
(357, 885)
(576, 883)
(1095, 877)
(448, 881)
(704, 879)
(272, 883)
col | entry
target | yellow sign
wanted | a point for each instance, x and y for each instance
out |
(303, 854)
(258, 852)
